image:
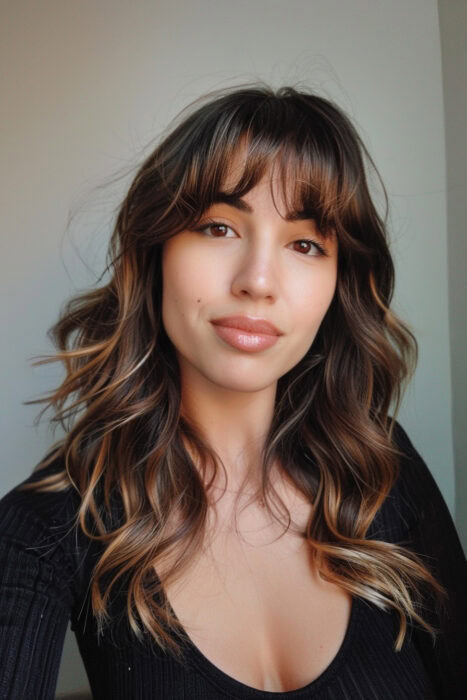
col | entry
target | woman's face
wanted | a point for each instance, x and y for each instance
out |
(251, 263)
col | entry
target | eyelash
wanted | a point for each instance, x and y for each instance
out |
(319, 248)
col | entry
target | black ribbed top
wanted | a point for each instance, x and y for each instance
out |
(45, 570)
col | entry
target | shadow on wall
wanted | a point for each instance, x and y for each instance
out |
(80, 695)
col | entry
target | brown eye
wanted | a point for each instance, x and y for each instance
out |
(310, 248)
(218, 229)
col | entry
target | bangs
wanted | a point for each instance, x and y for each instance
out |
(298, 148)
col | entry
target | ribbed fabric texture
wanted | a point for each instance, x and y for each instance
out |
(45, 570)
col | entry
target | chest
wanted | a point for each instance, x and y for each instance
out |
(255, 607)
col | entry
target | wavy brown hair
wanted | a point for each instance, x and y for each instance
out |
(126, 438)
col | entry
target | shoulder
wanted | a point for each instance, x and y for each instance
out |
(416, 484)
(415, 497)
(46, 509)
(38, 531)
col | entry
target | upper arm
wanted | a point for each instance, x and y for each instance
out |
(433, 536)
(35, 606)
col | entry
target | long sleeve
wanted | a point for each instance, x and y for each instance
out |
(433, 535)
(36, 598)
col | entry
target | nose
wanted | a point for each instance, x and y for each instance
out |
(256, 273)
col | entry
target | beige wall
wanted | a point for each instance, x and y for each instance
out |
(88, 84)
(453, 30)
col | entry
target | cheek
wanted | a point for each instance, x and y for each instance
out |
(313, 295)
(185, 278)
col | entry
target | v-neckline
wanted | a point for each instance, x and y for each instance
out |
(237, 689)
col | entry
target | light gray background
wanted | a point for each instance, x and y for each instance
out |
(87, 85)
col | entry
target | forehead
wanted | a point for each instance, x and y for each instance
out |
(236, 167)
(279, 180)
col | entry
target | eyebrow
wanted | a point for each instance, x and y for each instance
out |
(241, 205)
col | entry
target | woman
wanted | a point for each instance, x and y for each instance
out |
(234, 511)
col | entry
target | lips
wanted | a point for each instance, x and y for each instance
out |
(249, 324)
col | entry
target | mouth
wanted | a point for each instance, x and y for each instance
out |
(244, 340)
(248, 324)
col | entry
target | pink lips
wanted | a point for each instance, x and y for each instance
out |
(248, 323)
(246, 333)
